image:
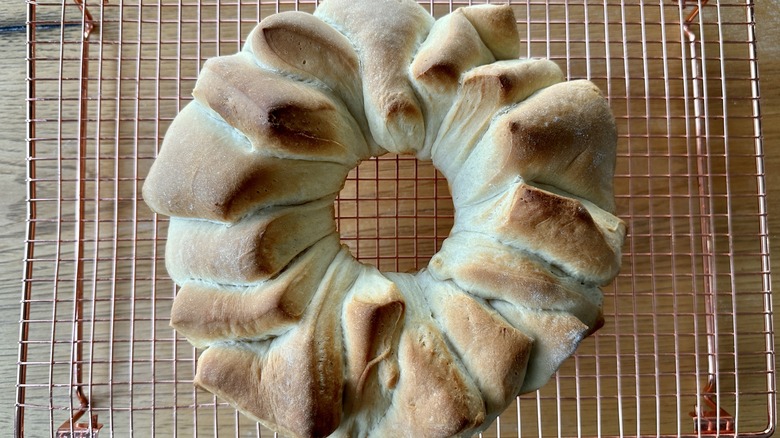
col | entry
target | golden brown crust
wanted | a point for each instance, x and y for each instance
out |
(304, 46)
(237, 375)
(558, 229)
(452, 47)
(252, 250)
(497, 28)
(293, 121)
(484, 91)
(310, 363)
(206, 170)
(562, 228)
(392, 109)
(282, 393)
(433, 398)
(294, 383)
(484, 267)
(564, 136)
(498, 366)
(207, 313)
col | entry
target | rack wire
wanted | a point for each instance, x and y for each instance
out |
(687, 349)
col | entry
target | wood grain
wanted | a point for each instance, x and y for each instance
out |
(12, 193)
(13, 214)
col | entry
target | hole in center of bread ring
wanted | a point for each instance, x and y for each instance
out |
(394, 212)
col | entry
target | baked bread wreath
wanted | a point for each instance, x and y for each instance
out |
(295, 332)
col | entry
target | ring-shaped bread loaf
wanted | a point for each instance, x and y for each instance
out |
(299, 335)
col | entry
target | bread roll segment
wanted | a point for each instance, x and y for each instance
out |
(562, 231)
(497, 27)
(556, 336)
(208, 170)
(453, 47)
(207, 313)
(498, 367)
(295, 332)
(293, 383)
(372, 322)
(301, 45)
(237, 374)
(563, 136)
(252, 250)
(386, 34)
(484, 91)
(491, 270)
(280, 116)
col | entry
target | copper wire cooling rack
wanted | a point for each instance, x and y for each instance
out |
(687, 348)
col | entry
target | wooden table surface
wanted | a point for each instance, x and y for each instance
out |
(12, 166)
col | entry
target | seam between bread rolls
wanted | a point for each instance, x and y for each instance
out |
(611, 233)
(531, 254)
(260, 209)
(448, 342)
(241, 138)
(436, 318)
(488, 302)
(315, 83)
(244, 285)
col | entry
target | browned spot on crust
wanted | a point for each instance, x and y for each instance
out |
(441, 72)
(543, 206)
(563, 136)
(563, 229)
(401, 107)
(431, 383)
(294, 118)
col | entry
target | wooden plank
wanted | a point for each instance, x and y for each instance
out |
(12, 187)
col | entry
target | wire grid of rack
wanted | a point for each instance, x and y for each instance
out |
(687, 348)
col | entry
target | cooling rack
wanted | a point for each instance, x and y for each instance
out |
(687, 349)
